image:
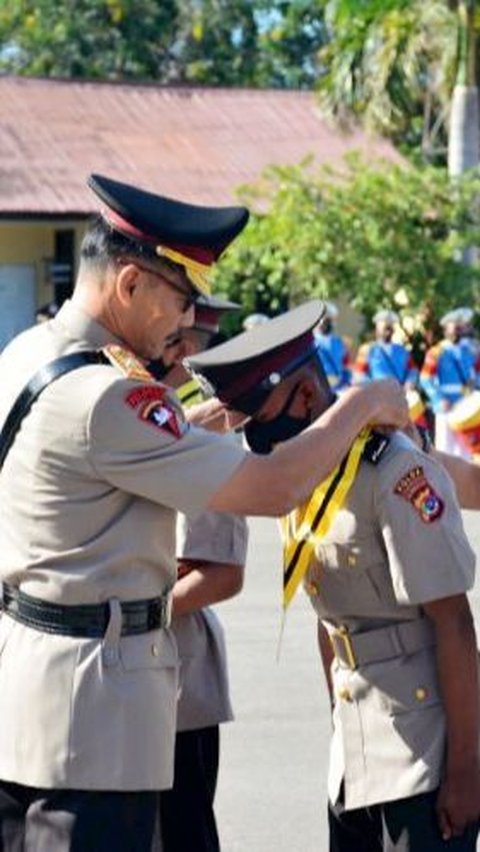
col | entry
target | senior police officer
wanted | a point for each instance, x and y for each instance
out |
(384, 559)
(211, 550)
(95, 462)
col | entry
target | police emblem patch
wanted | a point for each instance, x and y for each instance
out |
(149, 402)
(159, 414)
(415, 488)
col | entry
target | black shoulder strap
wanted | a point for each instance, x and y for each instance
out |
(32, 390)
(375, 447)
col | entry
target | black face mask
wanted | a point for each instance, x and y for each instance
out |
(261, 436)
(157, 369)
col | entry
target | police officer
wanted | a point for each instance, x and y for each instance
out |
(206, 326)
(211, 550)
(96, 459)
(384, 559)
(383, 358)
(448, 373)
(333, 351)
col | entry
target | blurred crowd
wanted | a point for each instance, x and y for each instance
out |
(443, 390)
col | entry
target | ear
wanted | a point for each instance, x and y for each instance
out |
(126, 283)
(306, 396)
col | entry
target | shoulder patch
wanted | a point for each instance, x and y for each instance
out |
(375, 447)
(128, 363)
(152, 408)
(415, 488)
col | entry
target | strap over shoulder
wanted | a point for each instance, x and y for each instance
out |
(40, 380)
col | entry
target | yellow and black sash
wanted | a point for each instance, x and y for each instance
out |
(190, 393)
(303, 527)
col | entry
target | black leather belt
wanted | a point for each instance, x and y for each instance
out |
(85, 620)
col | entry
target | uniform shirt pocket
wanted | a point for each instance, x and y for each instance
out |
(153, 650)
(408, 683)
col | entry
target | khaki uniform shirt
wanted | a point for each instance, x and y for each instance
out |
(397, 543)
(88, 495)
(204, 698)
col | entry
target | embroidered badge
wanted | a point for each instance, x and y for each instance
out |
(127, 363)
(161, 416)
(148, 400)
(144, 393)
(415, 488)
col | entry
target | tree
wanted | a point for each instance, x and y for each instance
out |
(393, 63)
(105, 39)
(214, 42)
(377, 236)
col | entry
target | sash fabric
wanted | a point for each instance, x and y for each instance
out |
(303, 527)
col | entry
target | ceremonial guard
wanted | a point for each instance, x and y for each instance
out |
(96, 460)
(382, 554)
(333, 350)
(450, 371)
(383, 358)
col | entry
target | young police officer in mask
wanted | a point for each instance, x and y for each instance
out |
(383, 556)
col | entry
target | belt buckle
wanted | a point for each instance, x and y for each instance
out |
(342, 636)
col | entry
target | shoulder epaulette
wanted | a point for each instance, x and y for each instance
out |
(128, 363)
(375, 447)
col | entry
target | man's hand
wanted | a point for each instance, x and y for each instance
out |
(458, 802)
(388, 402)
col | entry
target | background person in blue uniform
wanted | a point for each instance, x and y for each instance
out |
(382, 358)
(333, 350)
(450, 371)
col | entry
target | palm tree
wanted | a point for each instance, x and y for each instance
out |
(463, 148)
(394, 64)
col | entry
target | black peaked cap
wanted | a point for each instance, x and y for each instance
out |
(169, 221)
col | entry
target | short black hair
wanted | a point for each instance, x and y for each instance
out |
(103, 245)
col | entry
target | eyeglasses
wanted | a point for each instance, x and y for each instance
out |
(189, 298)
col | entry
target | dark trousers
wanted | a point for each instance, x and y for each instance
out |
(405, 825)
(187, 815)
(34, 820)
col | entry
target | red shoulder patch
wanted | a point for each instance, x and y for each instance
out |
(415, 488)
(152, 408)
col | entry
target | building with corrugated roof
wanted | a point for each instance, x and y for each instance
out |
(196, 144)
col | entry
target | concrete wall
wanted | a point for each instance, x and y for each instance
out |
(33, 242)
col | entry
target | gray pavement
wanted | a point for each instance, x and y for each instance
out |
(272, 785)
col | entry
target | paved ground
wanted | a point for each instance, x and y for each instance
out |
(272, 786)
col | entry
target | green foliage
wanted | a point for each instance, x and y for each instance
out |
(378, 236)
(106, 39)
(392, 63)
(214, 42)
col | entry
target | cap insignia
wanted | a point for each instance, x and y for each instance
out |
(415, 488)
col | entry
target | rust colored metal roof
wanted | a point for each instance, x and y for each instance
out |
(191, 143)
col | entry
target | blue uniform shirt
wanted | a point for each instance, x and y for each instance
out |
(385, 361)
(335, 359)
(448, 371)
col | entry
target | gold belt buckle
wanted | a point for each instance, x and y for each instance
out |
(341, 635)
